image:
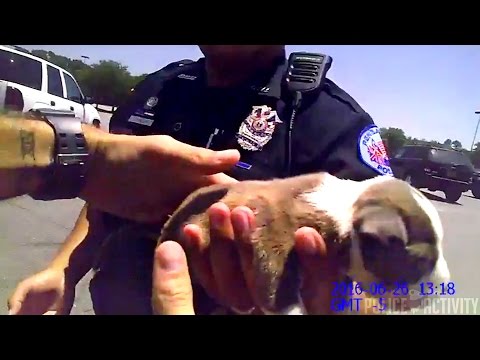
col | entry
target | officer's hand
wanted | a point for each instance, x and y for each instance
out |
(172, 288)
(144, 178)
(319, 271)
(226, 269)
(47, 292)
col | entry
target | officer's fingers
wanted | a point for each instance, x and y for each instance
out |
(14, 303)
(317, 271)
(201, 160)
(14, 307)
(221, 178)
(243, 221)
(172, 288)
(225, 260)
(208, 161)
(198, 254)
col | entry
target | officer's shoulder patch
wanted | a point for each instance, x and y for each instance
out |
(372, 151)
(338, 93)
(177, 64)
(172, 68)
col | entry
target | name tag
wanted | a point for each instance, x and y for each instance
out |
(140, 120)
(243, 165)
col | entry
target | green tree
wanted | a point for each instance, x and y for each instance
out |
(108, 82)
(475, 155)
(456, 145)
(393, 138)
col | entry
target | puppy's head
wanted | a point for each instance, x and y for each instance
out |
(396, 236)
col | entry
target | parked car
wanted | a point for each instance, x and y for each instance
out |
(45, 85)
(435, 169)
(10, 98)
(476, 183)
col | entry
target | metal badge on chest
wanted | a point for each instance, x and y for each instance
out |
(144, 116)
(151, 102)
(258, 128)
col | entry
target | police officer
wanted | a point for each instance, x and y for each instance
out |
(285, 118)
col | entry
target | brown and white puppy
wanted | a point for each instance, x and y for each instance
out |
(382, 230)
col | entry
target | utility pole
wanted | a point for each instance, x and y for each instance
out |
(476, 130)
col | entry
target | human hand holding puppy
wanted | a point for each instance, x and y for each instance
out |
(224, 271)
(380, 231)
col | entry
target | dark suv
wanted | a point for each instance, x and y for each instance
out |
(434, 168)
(476, 184)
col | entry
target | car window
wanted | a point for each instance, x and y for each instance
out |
(73, 91)
(400, 153)
(417, 153)
(408, 152)
(20, 69)
(449, 157)
(54, 81)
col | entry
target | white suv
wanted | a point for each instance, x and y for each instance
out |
(44, 85)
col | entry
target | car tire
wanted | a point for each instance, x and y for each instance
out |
(476, 191)
(452, 195)
(409, 179)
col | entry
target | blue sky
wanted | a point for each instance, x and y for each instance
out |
(431, 92)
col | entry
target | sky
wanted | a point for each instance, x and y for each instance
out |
(429, 91)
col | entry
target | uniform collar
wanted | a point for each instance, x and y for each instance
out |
(270, 83)
(265, 83)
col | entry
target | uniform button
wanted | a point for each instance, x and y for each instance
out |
(177, 126)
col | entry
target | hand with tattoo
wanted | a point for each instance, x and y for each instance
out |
(127, 176)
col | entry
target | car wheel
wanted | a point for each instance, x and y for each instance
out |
(409, 180)
(476, 191)
(452, 195)
(96, 123)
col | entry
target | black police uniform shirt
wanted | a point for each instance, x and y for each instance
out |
(331, 131)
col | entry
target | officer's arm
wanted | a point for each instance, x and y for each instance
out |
(78, 252)
(26, 150)
(349, 156)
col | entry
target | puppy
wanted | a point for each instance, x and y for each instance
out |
(380, 230)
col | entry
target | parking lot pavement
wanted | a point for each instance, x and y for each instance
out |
(31, 232)
(104, 120)
(30, 235)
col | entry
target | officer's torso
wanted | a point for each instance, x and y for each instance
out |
(192, 113)
(325, 136)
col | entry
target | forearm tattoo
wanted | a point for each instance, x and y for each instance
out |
(27, 144)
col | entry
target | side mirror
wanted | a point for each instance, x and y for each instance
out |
(88, 100)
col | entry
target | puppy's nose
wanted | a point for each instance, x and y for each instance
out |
(385, 256)
(392, 262)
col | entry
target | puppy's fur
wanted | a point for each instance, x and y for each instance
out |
(381, 230)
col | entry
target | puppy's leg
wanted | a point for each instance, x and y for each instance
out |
(274, 263)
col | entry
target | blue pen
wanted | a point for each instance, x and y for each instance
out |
(243, 165)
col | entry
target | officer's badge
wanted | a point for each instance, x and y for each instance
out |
(151, 102)
(257, 129)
